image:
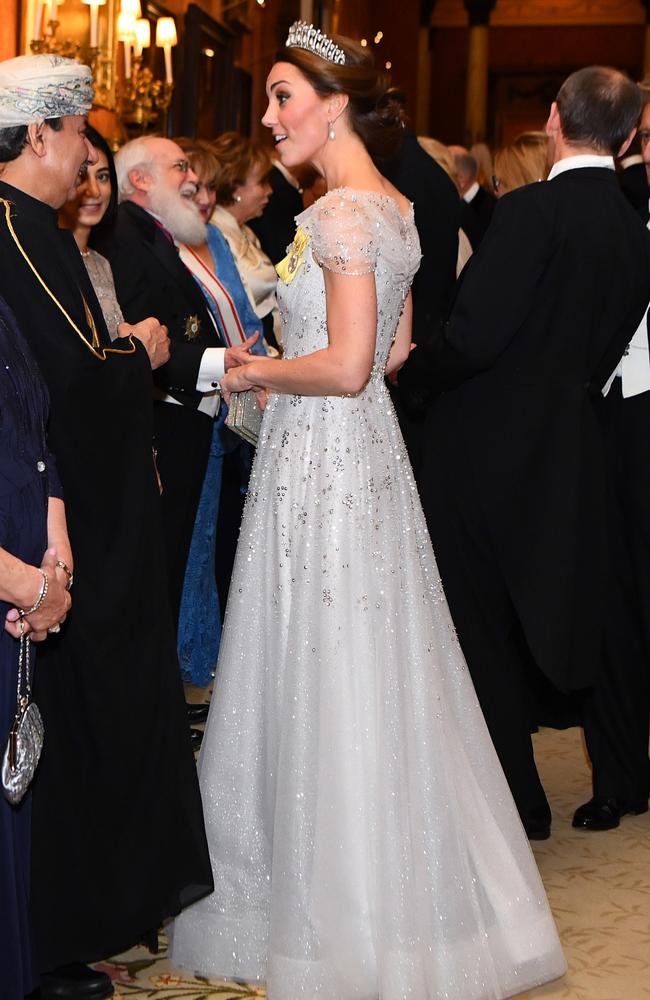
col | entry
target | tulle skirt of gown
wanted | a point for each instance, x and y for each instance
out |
(363, 839)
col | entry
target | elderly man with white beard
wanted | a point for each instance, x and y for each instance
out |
(156, 213)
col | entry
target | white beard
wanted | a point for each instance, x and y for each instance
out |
(179, 215)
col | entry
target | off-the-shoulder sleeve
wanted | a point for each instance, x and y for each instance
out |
(343, 232)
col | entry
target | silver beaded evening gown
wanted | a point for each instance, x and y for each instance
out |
(363, 839)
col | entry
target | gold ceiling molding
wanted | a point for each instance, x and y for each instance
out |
(520, 13)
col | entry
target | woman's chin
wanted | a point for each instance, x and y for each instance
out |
(284, 152)
(89, 218)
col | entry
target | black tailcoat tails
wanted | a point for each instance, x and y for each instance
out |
(151, 280)
(514, 484)
(118, 841)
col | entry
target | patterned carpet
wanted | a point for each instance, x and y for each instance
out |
(598, 885)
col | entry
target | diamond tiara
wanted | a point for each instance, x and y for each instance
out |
(306, 36)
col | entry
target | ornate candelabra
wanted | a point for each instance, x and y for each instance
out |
(48, 42)
(143, 99)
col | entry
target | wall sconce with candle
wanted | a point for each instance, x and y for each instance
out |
(45, 26)
(143, 99)
(87, 28)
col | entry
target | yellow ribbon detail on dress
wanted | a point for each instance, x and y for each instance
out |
(288, 268)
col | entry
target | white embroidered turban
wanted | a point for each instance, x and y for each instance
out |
(34, 88)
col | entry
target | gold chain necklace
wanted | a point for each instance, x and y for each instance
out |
(94, 347)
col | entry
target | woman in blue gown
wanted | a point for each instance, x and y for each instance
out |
(215, 271)
(27, 480)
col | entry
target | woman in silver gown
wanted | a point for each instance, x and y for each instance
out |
(363, 839)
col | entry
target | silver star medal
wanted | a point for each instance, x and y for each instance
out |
(192, 327)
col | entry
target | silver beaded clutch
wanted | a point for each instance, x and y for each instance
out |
(245, 416)
(25, 740)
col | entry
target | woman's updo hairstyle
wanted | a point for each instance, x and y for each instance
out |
(373, 112)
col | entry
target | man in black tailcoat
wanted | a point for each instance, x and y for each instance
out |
(156, 211)
(477, 204)
(436, 205)
(616, 713)
(514, 479)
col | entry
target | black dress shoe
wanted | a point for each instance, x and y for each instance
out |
(196, 738)
(605, 814)
(75, 982)
(196, 713)
(537, 830)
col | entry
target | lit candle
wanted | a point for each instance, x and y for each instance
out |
(38, 18)
(133, 8)
(94, 20)
(169, 76)
(94, 26)
(142, 36)
(126, 34)
(165, 38)
(53, 9)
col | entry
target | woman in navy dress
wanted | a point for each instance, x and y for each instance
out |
(27, 481)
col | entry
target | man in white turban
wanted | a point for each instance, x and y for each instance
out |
(108, 686)
(36, 88)
(44, 101)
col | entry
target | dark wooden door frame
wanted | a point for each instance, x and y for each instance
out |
(202, 31)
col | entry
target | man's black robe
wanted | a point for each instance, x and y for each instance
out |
(118, 839)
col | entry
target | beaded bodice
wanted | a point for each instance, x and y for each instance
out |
(348, 232)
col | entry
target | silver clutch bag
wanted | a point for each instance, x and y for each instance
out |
(25, 742)
(245, 416)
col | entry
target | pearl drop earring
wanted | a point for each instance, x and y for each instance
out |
(331, 134)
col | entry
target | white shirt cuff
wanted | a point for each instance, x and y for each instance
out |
(211, 370)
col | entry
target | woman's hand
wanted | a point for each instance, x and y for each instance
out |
(54, 607)
(238, 379)
(262, 396)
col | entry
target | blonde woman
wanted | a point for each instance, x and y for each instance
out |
(523, 161)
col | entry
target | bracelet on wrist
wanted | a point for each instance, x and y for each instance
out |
(41, 596)
(68, 572)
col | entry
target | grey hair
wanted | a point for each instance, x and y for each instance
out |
(132, 155)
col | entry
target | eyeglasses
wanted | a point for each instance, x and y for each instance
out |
(496, 183)
(644, 136)
(182, 165)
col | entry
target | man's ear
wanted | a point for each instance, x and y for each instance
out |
(141, 179)
(553, 123)
(36, 138)
(626, 145)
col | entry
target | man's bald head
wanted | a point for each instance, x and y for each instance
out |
(598, 108)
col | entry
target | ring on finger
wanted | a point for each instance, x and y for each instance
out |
(55, 628)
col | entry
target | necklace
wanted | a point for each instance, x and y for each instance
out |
(93, 346)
